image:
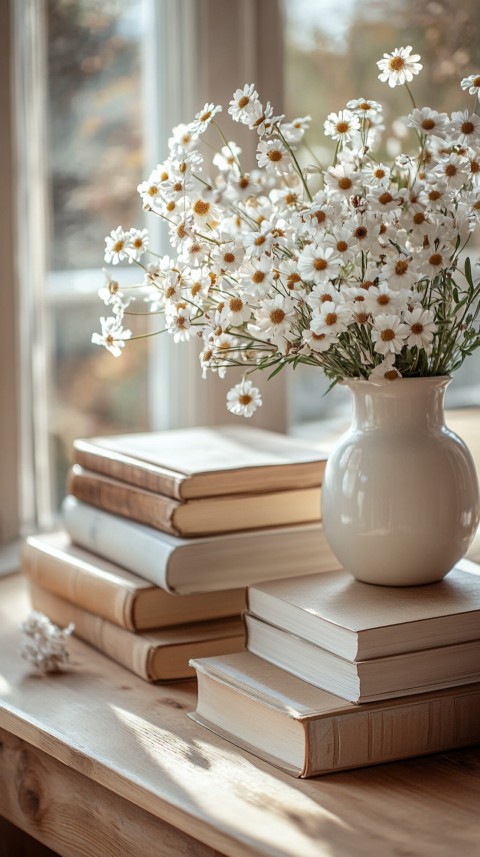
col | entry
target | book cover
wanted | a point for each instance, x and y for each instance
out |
(154, 656)
(229, 513)
(365, 681)
(204, 462)
(95, 584)
(228, 561)
(358, 621)
(306, 731)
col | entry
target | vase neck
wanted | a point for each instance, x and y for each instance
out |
(408, 403)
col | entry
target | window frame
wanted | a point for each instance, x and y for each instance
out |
(198, 50)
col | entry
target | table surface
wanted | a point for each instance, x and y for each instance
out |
(136, 741)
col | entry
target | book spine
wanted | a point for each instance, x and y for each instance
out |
(388, 734)
(129, 650)
(130, 545)
(153, 510)
(70, 580)
(117, 466)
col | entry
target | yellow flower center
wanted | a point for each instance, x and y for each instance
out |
(342, 246)
(119, 245)
(320, 264)
(201, 207)
(385, 198)
(331, 318)
(243, 101)
(235, 304)
(342, 127)
(417, 327)
(391, 375)
(435, 259)
(428, 124)
(401, 268)
(387, 335)
(277, 316)
(258, 277)
(205, 116)
(245, 399)
(275, 155)
(228, 258)
(345, 183)
(383, 300)
(467, 127)
(396, 63)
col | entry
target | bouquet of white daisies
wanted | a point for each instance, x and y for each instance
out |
(357, 268)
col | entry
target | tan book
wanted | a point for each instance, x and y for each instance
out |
(154, 656)
(95, 584)
(230, 513)
(205, 462)
(365, 681)
(306, 731)
(358, 621)
(206, 564)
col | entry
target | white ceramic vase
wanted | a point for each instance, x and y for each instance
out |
(400, 499)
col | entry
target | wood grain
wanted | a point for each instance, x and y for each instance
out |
(66, 811)
(135, 741)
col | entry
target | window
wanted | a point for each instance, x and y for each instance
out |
(98, 86)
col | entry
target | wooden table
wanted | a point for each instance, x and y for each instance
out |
(97, 763)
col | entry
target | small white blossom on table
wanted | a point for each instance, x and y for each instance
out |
(44, 645)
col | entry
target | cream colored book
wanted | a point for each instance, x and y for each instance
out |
(358, 621)
(226, 561)
(155, 655)
(365, 681)
(306, 731)
(95, 584)
(205, 462)
(198, 517)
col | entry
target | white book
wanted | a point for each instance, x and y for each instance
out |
(365, 681)
(206, 564)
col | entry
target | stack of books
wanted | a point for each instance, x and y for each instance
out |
(164, 531)
(341, 674)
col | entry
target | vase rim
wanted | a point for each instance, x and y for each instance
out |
(427, 380)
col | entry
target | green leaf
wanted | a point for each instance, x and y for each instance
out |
(468, 272)
(276, 370)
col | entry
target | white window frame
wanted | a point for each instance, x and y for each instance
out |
(198, 50)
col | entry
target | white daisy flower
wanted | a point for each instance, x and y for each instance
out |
(400, 272)
(365, 108)
(342, 241)
(341, 126)
(388, 334)
(113, 335)
(111, 292)
(294, 131)
(433, 260)
(244, 103)
(137, 243)
(258, 276)
(321, 294)
(318, 264)
(236, 311)
(204, 118)
(472, 83)
(376, 174)
(385, 372)
(275, 316)
(381, 299)
(331, 318)
(452, 170)
(178, 322)
(465, 127)
(151, 190)
(227, 158)
(244, 399)
(399, 67)
(422, 327)
(428, 122)
(228, 256)
(342, 180)
(273, 155)
(318, 342)
(116, 246)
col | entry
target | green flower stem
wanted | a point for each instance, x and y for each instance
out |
(296, 164)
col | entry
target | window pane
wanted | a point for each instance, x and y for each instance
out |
(331, 50)
(95, 148)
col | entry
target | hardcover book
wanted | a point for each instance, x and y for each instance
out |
(365, 681)
(205, 462)
(306, 731)
(228, 561)
(358, 621)
(95, 584)
(229, 513)
(154, 656)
